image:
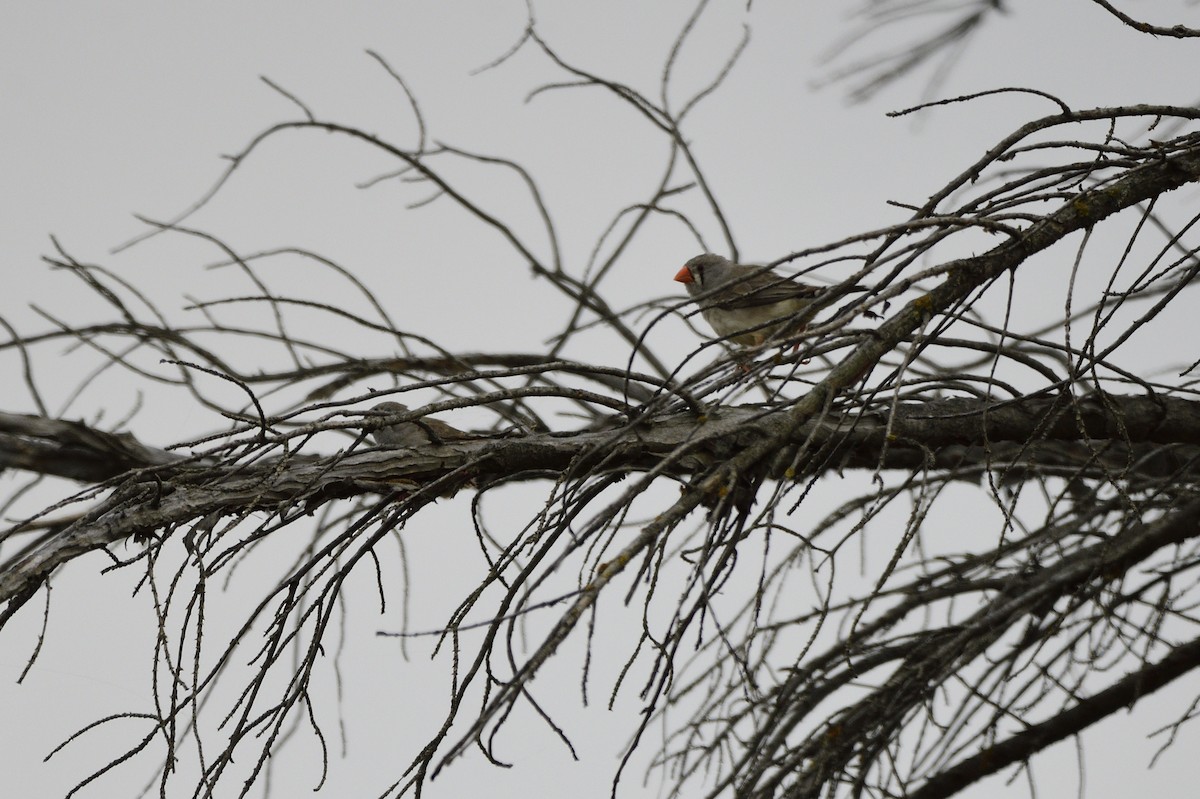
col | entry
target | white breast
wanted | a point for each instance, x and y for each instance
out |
(729, 321)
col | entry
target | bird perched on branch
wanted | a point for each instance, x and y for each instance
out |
(745, 304)
(414, 432)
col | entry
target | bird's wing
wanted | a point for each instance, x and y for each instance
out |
(764, 289)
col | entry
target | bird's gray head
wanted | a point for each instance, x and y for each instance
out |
(389, 408)
(705, 271)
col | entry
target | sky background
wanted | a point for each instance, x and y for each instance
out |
(126, 108)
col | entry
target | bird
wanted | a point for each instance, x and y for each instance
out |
(414, 432)
(745, 304)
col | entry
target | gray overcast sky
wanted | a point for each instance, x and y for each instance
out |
(107, 110)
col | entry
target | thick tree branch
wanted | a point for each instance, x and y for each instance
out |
(873, 439)
(159, 492)
(73, 449)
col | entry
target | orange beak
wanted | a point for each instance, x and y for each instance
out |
(684, 275)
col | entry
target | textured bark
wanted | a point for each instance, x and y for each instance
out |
(156, 490)
(891, 436)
